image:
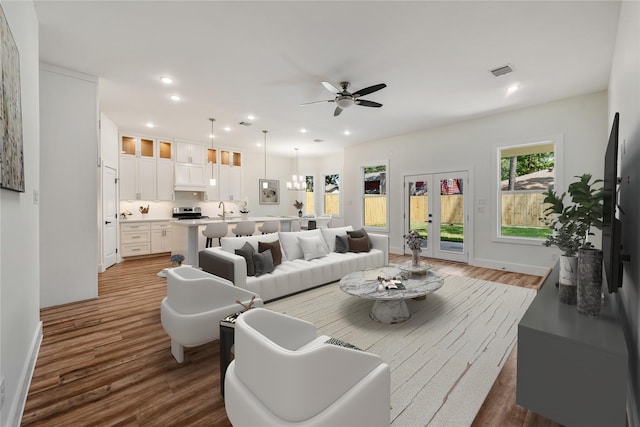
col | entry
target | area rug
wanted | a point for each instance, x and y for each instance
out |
(444, 359)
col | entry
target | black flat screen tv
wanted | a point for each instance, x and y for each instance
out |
(611, 226)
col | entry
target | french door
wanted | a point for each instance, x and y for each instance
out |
(435, 207)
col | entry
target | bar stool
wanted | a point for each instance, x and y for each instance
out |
(213, 231)
(244, 228)
(271, 226)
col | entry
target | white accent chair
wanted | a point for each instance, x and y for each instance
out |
(215, 230)
(270, 226)
(284, 374)
(244, 228)
(195, 304)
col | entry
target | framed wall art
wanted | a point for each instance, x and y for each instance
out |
(11, 151)
(269, 192)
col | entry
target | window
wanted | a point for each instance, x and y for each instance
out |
(374, 196)
(525, 172)
(309, 198)
(332, 194)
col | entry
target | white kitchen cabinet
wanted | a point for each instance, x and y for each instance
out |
(165, 180)
(137, 169)
(160, 237)
(135, 239)
(190, 153)
(230, 176)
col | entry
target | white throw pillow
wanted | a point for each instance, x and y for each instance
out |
(329, 235)
(290, 245)
(312, 247)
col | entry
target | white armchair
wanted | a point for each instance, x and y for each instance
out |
(196, 302)
(284, 374)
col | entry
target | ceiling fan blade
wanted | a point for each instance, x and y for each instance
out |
(317, 102)
(337, 112)
(330, 87)
(370, 89)
(366, 103)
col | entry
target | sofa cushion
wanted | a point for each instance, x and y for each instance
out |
(360, 233)
(276, 252)
(263, 262)
(312, 247)
(359, 244)
(291, 246)
(342, 244)
(247, 251)
(329, 235)
(230, 244)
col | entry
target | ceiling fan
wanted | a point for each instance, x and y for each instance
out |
(345, 99)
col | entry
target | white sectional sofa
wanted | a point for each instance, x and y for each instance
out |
(295, 273)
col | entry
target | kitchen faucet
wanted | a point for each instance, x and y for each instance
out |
(221, 204)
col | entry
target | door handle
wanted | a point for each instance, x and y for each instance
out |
(107, 222)
(429, 221)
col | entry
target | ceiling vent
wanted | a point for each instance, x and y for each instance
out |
(245, 123)
(501, 71)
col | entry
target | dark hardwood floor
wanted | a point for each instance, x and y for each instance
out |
(107, 361)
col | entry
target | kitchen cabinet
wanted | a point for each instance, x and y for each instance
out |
(137, 169)
(230, 175)
(135, 239)
(190, 153)
(211, 171)
(165, 165)
(160, 237)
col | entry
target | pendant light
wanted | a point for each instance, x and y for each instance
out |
(212, 180)
(265, 185)
(297, 181)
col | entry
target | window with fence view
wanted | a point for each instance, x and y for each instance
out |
(332, 194)
(374, 196)
(526, 172)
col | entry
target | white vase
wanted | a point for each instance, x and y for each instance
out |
(568, 280)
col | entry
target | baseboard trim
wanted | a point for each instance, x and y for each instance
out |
(15, 414)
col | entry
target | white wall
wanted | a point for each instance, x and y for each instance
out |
(624, 97)
(69, 163)
(470, 146)
(20, 327)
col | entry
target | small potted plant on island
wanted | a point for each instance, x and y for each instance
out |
(244, 208)
(571, 225)
(176, 260)
(298, 205)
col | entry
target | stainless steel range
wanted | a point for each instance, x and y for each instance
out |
(194, 212)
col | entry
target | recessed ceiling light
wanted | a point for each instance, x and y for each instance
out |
(512, 88)
(227, 128)
(346, 132)
(212, 136)
(175, 98)
(259, 144)
(150, 125)
(166, 80)
(251, 117)
(303, 130)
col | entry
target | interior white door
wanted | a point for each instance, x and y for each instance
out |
(110, 215)
(435, 207)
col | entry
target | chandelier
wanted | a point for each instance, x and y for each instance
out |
(297, 181)
(265, 184)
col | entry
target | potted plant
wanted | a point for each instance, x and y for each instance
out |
(571, 225)
(298, 205)
(176, 260)
(244, 208)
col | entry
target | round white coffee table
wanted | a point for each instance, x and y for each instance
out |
(389, 305)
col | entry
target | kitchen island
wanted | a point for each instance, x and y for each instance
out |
(188, 240)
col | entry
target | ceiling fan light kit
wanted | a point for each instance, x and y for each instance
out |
(345, 99)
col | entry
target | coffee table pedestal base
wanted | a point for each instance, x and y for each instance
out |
(390, 311)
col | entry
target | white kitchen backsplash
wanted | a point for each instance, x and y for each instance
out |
(158, 210)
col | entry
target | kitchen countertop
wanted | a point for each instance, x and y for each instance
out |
(233, 220)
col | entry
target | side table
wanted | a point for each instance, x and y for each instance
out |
(227, 339)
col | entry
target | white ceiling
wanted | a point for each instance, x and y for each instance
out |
(230, 59)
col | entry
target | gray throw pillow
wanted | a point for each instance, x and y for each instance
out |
(263, 262)
(247, 252)
(342, 244)
(360, 233)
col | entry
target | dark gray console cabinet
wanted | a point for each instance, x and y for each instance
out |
(572, 368)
